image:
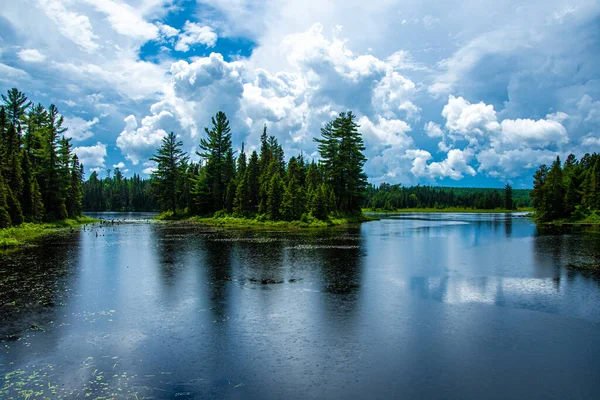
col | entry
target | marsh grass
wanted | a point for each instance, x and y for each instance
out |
(260, 221)
(28, 232)
(445, 210)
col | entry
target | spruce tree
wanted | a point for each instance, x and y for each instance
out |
(274, 197)
(51, 179)
(253, 182)
(5, 220)
(216, 148)
(508, 197)
(168, 158)
(16, 103)
(341, 148)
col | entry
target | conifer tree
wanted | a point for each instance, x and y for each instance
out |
(168, 158)
(16, 103)
(216, 149)
(274, 198)
(52, 182)
(5, 220)
(508, 197)
(253, 182)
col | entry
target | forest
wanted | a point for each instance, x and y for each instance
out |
(388, 197)
(263, 184)
(40, 176)
(569, 191)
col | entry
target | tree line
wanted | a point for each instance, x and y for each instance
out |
(389, 197)
(118, 193)
(263, 184)
(40, 176)
(564, 191)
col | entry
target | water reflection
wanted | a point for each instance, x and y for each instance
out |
(403, 305)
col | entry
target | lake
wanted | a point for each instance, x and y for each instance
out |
(411, 306)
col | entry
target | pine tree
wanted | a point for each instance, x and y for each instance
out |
(508, 197)
(274, 198)
(216, 152)
(341, 148)
(253, 182)
(75, 195)
(168, 158)
(16, 103)
(5, 221)
(51, 180)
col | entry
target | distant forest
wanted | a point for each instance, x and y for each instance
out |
(40, 176)
(388, 197)
(570, 191)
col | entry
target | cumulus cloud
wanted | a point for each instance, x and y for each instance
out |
(79, 129)
(91, 156)
(139, 142)
(125, 19)
(31, 55)
(193, 34)
(75, 27)
(120, 165)
(433, 130)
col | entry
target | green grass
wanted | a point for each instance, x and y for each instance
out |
(446, 210)
(592, 218)
(260, 222)
(28, 232)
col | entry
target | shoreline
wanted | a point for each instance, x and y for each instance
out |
(449, 210)
(28, 232)
(253, 223)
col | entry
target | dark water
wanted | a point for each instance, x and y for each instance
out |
(412, 306)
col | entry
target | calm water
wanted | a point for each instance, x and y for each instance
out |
(420, 305)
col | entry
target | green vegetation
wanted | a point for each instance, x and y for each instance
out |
(118, 193)
(40, 177)
(263, 190)
(388, 197)
(448, 210)
(28, 232)
(232, 221)
(568, 193)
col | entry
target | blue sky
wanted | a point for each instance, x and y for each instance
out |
(448, 93)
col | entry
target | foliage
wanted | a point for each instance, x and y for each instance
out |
(388, 197)
(40, 177)
(568, 192)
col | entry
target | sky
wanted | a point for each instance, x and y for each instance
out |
(452, 93)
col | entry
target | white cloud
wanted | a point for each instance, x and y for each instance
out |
(31, 55)
(470, 120)
(433, 130)
(75, 27)
(531, 133)
(78, 128)
(454, 166)
(125, 19)
(194, 33)
(120, 165)
(91, 156)
(140, 142)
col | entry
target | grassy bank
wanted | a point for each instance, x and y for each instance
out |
(259, 222)
(28, 232)
(445, 210)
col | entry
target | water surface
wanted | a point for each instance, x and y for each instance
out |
(415, 305)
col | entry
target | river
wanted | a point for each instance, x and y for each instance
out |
(410, 306)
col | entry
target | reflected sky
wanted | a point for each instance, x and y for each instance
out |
(423, 305)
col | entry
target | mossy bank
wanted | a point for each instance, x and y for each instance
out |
(260, 222)
(28, 233)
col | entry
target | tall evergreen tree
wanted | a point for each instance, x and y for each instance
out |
(508, 197)
(5, 220)
(16, 103)
(341, 148)
(216, 148)
(168, 158)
